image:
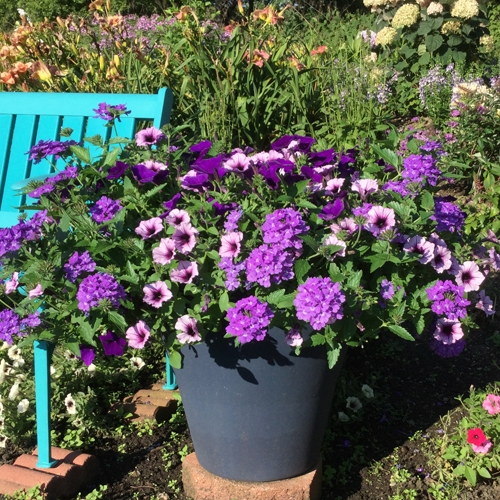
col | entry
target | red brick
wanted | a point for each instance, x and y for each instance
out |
(203, 485)
(53, 485)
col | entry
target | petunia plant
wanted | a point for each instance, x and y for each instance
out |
(151, 242)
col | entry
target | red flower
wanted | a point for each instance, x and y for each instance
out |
(476, 436)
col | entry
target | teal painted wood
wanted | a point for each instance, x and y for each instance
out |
(170, 380)
(43, 353)
(27, 117)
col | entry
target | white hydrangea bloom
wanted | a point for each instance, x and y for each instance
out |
(434, 8)
(465, 9)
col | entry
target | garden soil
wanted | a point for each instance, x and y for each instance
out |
(363, 459)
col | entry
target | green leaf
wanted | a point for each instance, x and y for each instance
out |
(175, 359)
(301, 267)
(333, 357)
(112, 156)
(224, 302)
(317, 339)
(470, 475)
(118, 320)
(420, 325)
(433, 42)
(274, 297)
(427, 201)
(83, 154)
(424, 59)
(354, 280)
(65, 223)
(401, 332)
(74, 347)
(454, 40)
(424, 28)
(387, 155)
(310, 241)
(86, 332)
(305, 204)
(378, 261)
(483, 472)
(287, 301)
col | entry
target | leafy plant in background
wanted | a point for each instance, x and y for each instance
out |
(430, 31)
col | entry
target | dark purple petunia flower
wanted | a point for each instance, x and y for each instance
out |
(113, 344)
(332, 210)
(144, 175)
(310, 173)
(172, 203)
(202, 148)
(117, 171)
(87, 354)
(294, 142)
(322, 158)
(210, 166)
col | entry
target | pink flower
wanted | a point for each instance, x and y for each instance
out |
(482, 448)
(485, 304)
(294, 338)
(185, 272)
(176, 217)
(365, 187)
(492, 404)
(380, 219)
(148, 228)
(36, 292)
(12, 284)
(448, 331)
(165, 252)
(138, 335)
(334, 185)
(494, 259)
(418, 244)
(188, 330)
(333, 240)
(239, 162)
(469, 276)
(155, 166)
(148, 136)
(230, 244)
(345, 225)
(185, 237)
(441, 261)
(156, 293)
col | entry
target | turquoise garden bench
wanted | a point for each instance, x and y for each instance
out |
(28, 117)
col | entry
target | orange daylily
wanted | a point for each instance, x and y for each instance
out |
(296, 63)
(269, 15)
(320, 50)
(183, 14)
(8, 77)
(258, 57)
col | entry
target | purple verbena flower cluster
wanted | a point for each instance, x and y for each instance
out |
(13, 237)
(109, 112)
(232, 272)
(12, 325)
(232, 219)
(419, 168)
(283, 227)
(105, 209)
(448, 216)
(319, 301)
(269, 264)
(249, 319)
(448, 299)
(49, 148)
(97, 287)
(387, 289)
(50, 183)
(78, 264)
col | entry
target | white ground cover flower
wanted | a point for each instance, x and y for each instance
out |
(137, 363)
(23, 406)
(354, 404)
(367, 391)
(70, 404)
(14, 353)
(14, 391)
(343, 417)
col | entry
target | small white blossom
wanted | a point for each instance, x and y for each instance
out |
(137, 363)
(70, 404)
(14, 391)
(52, 370)
(14, 353)
(23, 406)
(1, 408)
(353, 404)
(91, 369)
(2, 422)
(343, 417)
(18, 363)
(3, 441)
(367, 391)
(70, 356)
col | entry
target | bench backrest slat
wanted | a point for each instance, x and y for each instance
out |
(28, 117)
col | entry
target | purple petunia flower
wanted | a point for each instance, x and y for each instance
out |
(156, 293)
(249, 319)
(230, 244)
(188, 330)
(365, 187)
(172, 203)
(469, 276)
(185, 237)
(448, 331)
(185, 273)
(148, 228)
(332, 210)
(113, 344)
(144, 175)
(165, 252)
(418, 244)
(177, 217)
(138, 335)
(148, 136)
(78, 264)
(380, 219)
(117, 170)
(319, 302)
(87, 354)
